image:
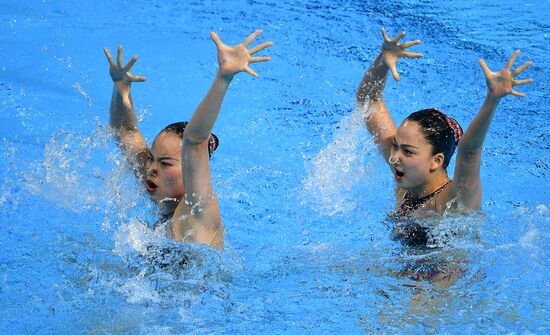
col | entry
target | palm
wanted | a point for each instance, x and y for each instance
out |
(393, 50)
(500, 84)
(234, 59)
(120, 73)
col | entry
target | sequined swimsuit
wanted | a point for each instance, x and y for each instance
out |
(410, 204)
(406, 229)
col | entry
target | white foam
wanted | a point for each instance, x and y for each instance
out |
(339, 167)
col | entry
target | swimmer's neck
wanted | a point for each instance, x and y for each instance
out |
(436, 181)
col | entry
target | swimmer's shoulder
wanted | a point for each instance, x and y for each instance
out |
(446, 200)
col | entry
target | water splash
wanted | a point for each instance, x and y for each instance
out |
(80, 172)
(80, 90)
(338, 168)
(165, 271)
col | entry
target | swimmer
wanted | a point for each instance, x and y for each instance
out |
(176, 169)
(419, 151)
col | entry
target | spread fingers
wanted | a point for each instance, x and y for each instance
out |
(260, 47)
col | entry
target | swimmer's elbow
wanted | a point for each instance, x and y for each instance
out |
(121, 132)
(194, 146)
(469, 149)
(191, 138)
(469, 153)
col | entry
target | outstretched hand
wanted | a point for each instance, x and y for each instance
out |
(393, 50)
(500, 84)
(120, 74)
(234, 59)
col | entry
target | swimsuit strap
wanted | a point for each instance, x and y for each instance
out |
(410, 204)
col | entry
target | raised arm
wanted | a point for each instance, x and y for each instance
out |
(371, 90)
(197, 218)
(122, 117)
(467, 184)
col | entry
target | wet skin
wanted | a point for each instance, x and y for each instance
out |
(164, 171)
(415, 162)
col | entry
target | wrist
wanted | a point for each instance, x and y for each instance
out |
(378, 71)
(380, 62)
(224, 77)
(492, 97)
(123, 89)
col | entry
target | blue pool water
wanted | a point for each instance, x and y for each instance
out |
(304, 195)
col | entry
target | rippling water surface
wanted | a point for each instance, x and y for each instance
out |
(303, 192)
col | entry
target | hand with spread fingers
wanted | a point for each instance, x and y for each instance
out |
(120, 73)
(235, 59)
(392, 50)
(500, 84)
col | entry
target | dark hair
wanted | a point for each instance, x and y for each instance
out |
(177, 128)
(441, 131)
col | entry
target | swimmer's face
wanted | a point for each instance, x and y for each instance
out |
(164, 170)
(414, 157)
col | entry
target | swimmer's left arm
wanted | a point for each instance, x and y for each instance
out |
(200, 211)
(467, 184)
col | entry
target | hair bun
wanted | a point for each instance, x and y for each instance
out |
(213, 143)
(457, 129)
(452, 123)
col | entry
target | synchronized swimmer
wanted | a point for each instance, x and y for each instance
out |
(419, 151)
(177, 166)
(176, 169)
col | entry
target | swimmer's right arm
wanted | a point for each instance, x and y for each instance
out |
(371, 90)
(122, 118)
